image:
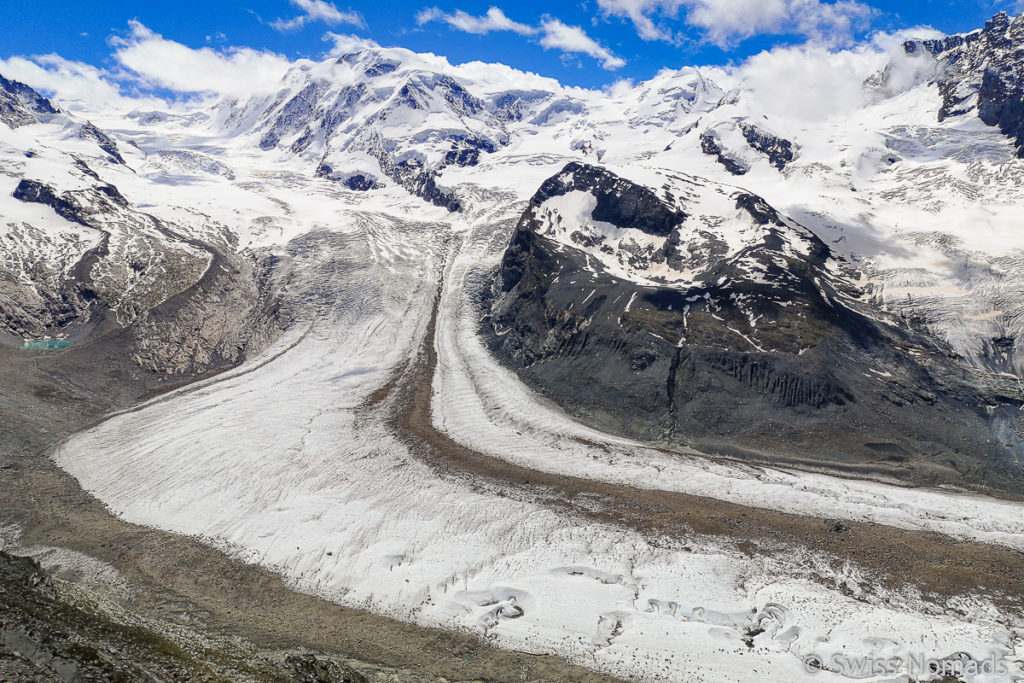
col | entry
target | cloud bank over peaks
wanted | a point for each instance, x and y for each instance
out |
(787, 82)
(154, 72)
(75, 85)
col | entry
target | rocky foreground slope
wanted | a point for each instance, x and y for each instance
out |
(51, 631)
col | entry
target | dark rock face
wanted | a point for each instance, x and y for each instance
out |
(420, 181)
(361, 183)
(712, 146)
(778, 150)
(380, 67)
(41, 193)
(413, 176)
(423, 183)
(466, 151)
(74, 207)
(981, 72)
(620, 202)
(105, 142)
(294, 115)
(785, 364)
(457, 97)
(20, 104)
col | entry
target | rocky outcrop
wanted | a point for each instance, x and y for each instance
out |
(980, 73)
(361, 183)
(309, 668)
(105, 142)
(21, 105)
(711, 145)
(762, 351)
(176, 305)
(132, 263)
(421, 181)
(52, 632)
(778, 150)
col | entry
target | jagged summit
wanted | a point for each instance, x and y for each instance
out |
(386, 115)
(376, 116)
(21, 105)
(979, 73)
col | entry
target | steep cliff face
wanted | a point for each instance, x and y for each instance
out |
(979, 74)
(21, 105)
(684, 312)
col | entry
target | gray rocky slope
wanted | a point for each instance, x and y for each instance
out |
(100, 271)
(767, 351)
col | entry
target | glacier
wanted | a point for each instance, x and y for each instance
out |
(383, 187)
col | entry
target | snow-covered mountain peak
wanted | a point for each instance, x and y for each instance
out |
(659, 227)
(889, 182)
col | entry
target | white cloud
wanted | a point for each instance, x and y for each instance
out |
(344, 44)
(553, 33)
(788, 82)
(318, 10)
(161, 63)
(74, 85)
(494, 20)
(640, 13)
(574, 39)
(428, 14)
(727, 22)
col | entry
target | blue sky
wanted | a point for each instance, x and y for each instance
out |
(590, 43)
